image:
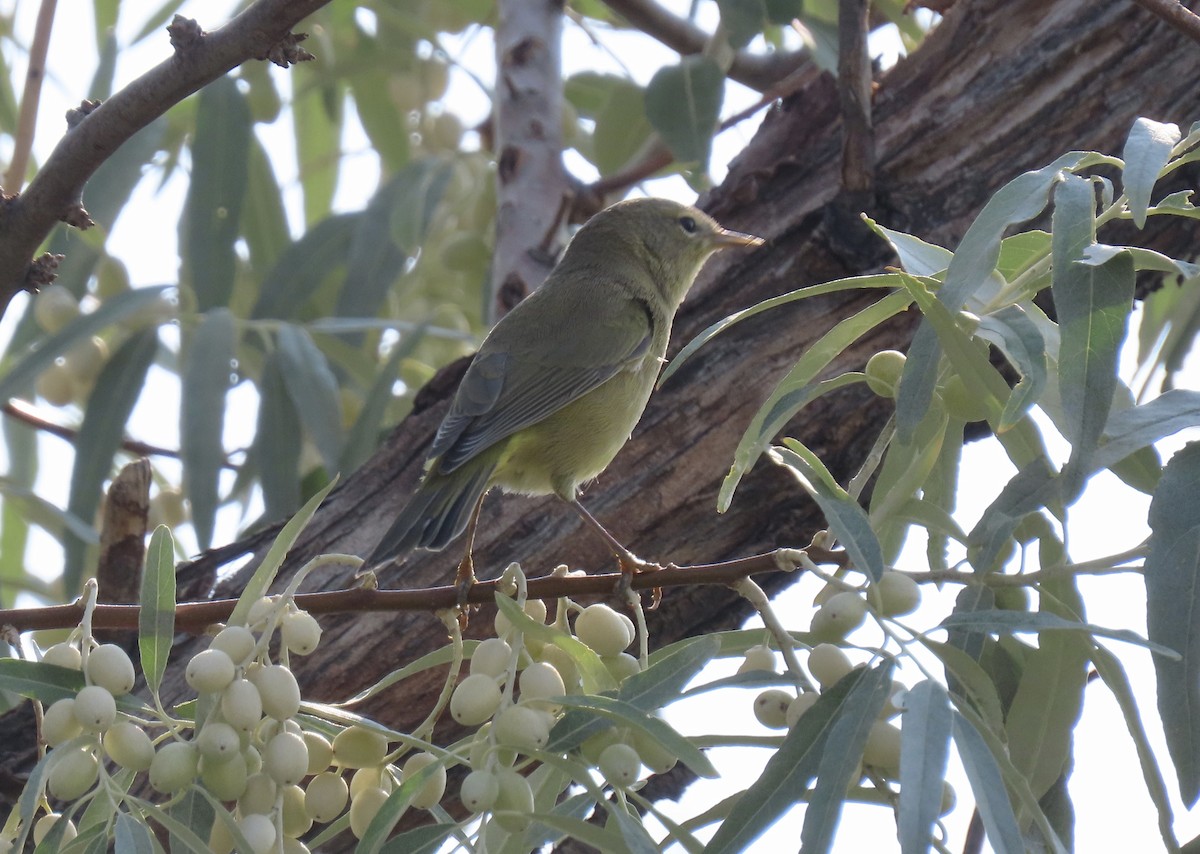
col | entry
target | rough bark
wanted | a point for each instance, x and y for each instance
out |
(998, 89)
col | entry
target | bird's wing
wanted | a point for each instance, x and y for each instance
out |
(508, 388)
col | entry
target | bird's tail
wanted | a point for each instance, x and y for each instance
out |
(437, 512)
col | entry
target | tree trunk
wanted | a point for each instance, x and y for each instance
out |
(999, 88)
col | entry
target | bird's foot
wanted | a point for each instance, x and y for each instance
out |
(464, 580)
(631, 565)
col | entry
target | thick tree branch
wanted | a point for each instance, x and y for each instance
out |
(758, 71)
(262, 31)
(1175, 14)
(531, 184)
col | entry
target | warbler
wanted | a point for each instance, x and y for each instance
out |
(561, 381)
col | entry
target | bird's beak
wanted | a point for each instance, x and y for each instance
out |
(725, 237)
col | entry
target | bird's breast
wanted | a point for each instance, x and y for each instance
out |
(573, 445)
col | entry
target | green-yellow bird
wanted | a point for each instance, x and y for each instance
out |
(560, 382)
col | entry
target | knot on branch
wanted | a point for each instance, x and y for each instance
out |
(185, 33)
(287, 51)
(41, 272)
(76, 115)
(77, 216)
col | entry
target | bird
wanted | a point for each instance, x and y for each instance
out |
(559, 383)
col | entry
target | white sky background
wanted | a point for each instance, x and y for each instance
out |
(1112, 810)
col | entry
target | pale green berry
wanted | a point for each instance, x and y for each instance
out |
(326, 797)
(296, 820)
(799, 706)
(758, 658)
(218, 742)
(260, 612)
(259, 831)
(475, 699)
(278, 689)
(95, 708)
(898, 594)
(514, 802)
(358, 747)
(521, 727)
(109, 667)
(63, 655)
(883, 372)
(235, 641)
(175, 766)
(882, 749)
(225, 778)
(127, 744)
(54, 307)
(59, 724)
(364, 808)
(620, 765)
(259, 794)
(621, 666)
(842, 614)
(209, 671)
(241, 705)
(654, 755)
(286, 759)
(431, 793)
(300, 632)
(828, 664)
(770, 708)
(47, 822)
(491, 657)
(73, 772)
(539, 681)
(602, 629)
(479, 791)
(320, 752)
(366, 778)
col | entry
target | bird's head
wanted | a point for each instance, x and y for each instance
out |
(671, 239)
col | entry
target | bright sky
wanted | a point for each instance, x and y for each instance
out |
(1113, 812)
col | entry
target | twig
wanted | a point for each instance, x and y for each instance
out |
(262, 30)
(1175, 14)
(196, 616)
(29, 416)
(758, 71)
(14, 179)
(854, 93)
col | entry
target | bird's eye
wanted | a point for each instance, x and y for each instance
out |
(687, 224)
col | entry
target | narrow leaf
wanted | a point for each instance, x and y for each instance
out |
(787, 774)
(991, 798)
(847, 520)
(1029, 490)
(117, 390)
(277, 443)
(156, 619)
(39, 681)
(1015, 622)
(797, 389)
(212, 211)
(1147, 150)
(313, 389)
(683, 103)
(841, 757)
(1019, 200)
(924, 753)
(1021, 342)
(258, 584)
(132, 836)
(207, 368)
(1172, 576)
(304, 266)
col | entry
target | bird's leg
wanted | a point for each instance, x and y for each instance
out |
(464, 579)
(629, 562)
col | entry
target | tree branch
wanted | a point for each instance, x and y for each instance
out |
(262, 31)
(31, 97)
(758, 71)
(197, 616)
(1175, 14)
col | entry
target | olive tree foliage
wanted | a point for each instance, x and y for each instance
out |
(337, 317)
